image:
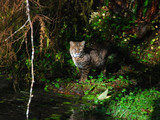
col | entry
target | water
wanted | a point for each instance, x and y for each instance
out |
(44, 106)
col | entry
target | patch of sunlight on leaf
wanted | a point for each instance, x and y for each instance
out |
(89, 97)
(54, 117)
(66, 103)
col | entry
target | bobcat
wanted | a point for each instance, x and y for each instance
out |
(87, 58)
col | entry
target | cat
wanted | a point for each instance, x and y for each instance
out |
(87, 58)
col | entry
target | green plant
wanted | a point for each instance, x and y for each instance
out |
(135, 105)
(57, 82)
(100, 78)
(28, 63)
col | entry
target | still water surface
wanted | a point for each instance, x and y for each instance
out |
(44, 106)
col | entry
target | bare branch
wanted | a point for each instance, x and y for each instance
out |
(18, 30)
(32, 58)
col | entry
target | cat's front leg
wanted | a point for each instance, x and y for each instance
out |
(84, 74)
(80, 72)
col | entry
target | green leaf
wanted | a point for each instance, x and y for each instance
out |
(67, 103)
(134, 52)
(121, 77)
(57, 85)
(124, 90)
(46, 88)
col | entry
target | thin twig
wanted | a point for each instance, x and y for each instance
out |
(18, 30)
(32, 58)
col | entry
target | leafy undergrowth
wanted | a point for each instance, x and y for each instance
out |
(134, 105)
(118, 97)
(137, 105)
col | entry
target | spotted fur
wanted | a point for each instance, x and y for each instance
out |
(87, 58)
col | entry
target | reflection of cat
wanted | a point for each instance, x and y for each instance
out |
(87, 58)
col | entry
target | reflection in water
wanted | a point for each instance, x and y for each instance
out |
(78, 116)
(44, 106)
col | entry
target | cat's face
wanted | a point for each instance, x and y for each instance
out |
(77, 48)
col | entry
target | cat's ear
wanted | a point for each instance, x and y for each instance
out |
(83, 43)
(71, 43)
